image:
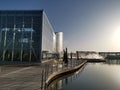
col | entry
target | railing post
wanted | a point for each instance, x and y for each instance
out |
(42, 79)
(52, 68)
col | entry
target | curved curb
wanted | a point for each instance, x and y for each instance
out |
(63, 72)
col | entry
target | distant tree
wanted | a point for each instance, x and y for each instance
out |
(65, 56)
(77, 55)
(71, 55)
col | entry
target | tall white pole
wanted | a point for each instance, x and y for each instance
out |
(13, 46)
(5, 38)
(21, 57)
(31, 39)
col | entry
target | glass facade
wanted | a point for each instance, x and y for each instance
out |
(48, 39)
(20, 35)
(26, 35)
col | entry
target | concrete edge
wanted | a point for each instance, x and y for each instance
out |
(63, 72)
(23, 64)
(26, 64)
(48, 61)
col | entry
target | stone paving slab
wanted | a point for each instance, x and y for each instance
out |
(23, 77)
(27, 78)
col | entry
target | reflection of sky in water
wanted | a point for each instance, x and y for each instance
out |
(95, 76)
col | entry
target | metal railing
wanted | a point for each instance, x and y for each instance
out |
(56, 66)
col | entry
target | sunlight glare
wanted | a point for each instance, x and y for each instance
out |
(117, 36)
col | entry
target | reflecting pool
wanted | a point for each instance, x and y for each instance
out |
(94, 76)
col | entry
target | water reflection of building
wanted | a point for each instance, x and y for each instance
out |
(26, 36)
(59, 83)
(111, 62)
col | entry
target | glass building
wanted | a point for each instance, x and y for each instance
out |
(26, 36)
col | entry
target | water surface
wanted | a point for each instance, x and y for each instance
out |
(95, 76)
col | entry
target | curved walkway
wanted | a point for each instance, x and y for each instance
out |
(63, 72)
(34, 77)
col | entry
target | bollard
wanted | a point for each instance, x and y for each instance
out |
(71, 55)
(77, 55)
(56, 66)
(62, 66)
(71, 63)
(74, 63)
(0, 69)
(46, 75)
(45, 72)
(52, 68)
(42, 79)
(48, 69)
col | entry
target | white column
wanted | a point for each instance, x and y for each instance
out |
(22, 42)
(31, 36)
(13, 46)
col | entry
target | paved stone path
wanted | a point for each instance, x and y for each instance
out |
(23, 77)
(27, 78)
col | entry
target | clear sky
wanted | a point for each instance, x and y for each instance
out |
(86, 24)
